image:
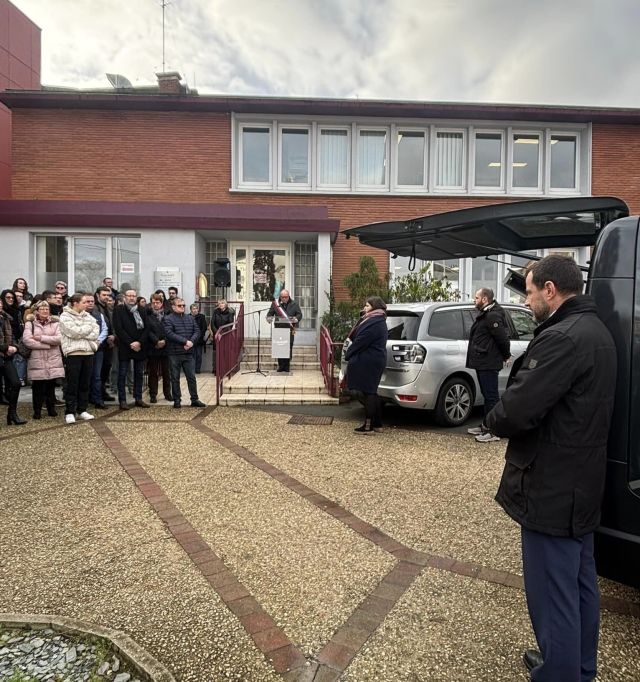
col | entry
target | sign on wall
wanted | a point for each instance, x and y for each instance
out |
(163, 278)
(127, 268)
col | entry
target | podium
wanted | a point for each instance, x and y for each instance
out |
(280, 339)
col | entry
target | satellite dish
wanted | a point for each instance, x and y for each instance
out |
(118, 81)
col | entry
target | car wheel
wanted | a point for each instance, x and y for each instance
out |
(455, 402)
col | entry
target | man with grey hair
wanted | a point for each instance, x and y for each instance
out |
(488, 351)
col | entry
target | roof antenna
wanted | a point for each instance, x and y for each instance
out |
(163, 4)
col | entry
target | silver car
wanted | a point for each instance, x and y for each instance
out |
(426, 356)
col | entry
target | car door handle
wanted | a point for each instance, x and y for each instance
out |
(452, 349)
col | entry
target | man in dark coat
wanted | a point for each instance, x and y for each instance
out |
(182, 334)
(556, 412)
(222, 316)
(131, 331)
(104, 303)
(293, 312)
(487, 353)
(157, 359)
(199, 349)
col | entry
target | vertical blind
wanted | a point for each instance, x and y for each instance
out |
(334, 157)
(372, 157)
(449, 159)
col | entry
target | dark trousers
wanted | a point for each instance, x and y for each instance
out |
(564, 605)
(95, 392)
(43, 390)
(105, 370)
(11, 382)
(138, 377)
(284, 364)
(488, 380)
(186, 363)
(158, 366)
(197, 356)
(373, 409)
(77, 383)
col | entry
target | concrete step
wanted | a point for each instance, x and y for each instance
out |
(271, 365)
(255, 390)
(266, 355)
(231, 399)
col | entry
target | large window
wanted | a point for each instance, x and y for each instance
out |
(90, 263)
(449, 159)
(526, 161)
(52, 261)
(292, 154)
(488, 163)
(411, 158)
(372, 158)
(334, 154)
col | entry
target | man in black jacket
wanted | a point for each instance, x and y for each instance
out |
(293, 312)
(182, 334)
(556, 412)
(488, 352)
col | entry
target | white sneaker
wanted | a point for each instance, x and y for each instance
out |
(487, 437)
(476, 430)
(69, 419)
(85, 416)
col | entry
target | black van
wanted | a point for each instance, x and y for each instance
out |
(613, 280)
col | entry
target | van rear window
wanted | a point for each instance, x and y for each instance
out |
(403, 325)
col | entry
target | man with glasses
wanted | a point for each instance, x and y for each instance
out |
(182, 334)
(61, 289)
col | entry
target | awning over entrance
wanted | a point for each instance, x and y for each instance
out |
(496, 229)
(176, 216)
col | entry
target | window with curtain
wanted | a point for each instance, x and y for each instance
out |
(563, 161)
(525, 165)
(334, 151)
(372, 157)
(449, 159)
(52, 259)
(256, 154)
(488, 160)
(294, 156)
(411, 153)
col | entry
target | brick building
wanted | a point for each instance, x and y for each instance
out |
(154, 184)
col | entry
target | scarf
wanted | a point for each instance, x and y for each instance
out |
(365, 316)
(136, 315)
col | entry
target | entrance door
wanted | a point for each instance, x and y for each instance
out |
(258, 273)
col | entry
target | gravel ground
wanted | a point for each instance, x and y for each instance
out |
(320, 570)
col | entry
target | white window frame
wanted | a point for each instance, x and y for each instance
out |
(378, 129)
(484, 189)
(254, 124)
(512, 132)
(294, 126)
(395, 159)
(330, 186)
(447, 189)
(554, 132)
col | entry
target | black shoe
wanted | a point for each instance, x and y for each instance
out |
(176, 404)
(99, 406)
(3, 400)
(169, 398)
(108, 398)
(12, 418)
(141, 403)
(60, 402)
(153, 399)
(197, 403)
(532, 659)
(124, 406)
(37, 415)
(52, 412)
(365, 429)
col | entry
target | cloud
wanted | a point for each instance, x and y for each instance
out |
(546, 52)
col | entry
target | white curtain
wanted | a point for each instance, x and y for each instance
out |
(372, 157)
(449, 160)
(334, 157)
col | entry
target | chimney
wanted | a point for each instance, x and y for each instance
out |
(169, 83)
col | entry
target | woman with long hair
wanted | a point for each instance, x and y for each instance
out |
(42, 336)
(80, 332)
(367, 358)
(8, 350)
(14, 311)
(20, 284)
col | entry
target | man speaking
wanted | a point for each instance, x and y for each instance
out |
(286, 308)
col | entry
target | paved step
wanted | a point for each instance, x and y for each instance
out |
(231, 399)
(254, 390)
(272, 365)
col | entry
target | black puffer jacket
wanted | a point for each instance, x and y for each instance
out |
(489, 345)
(180, 328)
(556, 413)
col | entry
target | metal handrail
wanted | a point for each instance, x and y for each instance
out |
(328, 351)
(229, 343)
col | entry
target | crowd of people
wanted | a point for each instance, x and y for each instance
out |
(91, 342)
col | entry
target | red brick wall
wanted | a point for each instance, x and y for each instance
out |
(158, 156)
(19, 68)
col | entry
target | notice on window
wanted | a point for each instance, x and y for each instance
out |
(127, 268)
(259, 277)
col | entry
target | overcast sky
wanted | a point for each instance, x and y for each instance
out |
(577, 52)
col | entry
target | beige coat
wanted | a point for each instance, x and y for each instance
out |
(45, 361)
(79, 332)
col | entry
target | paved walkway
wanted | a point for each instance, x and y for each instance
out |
(232, 544)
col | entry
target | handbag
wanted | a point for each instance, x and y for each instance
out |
(24, 350)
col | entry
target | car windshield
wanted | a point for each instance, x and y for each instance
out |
(403, 325)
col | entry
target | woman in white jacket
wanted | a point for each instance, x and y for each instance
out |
(79, 332)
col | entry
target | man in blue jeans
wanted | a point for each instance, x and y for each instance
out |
(488, 352)
(182, 334)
